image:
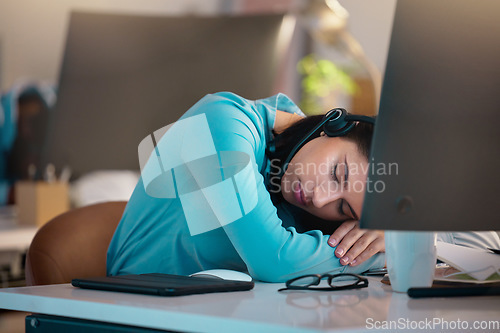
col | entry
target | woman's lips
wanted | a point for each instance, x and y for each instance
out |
(299, 194)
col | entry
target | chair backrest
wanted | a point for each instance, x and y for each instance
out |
(73, 244)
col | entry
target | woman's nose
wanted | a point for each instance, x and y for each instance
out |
(323, 195)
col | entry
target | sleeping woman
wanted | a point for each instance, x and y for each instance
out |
(224, 188)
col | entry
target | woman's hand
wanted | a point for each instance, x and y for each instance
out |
(355, 245)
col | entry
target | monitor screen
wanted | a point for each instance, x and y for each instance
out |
(125, 76)
(435, 162)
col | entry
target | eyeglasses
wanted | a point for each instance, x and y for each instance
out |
(341, 281)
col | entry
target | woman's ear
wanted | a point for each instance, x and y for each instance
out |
(322, 133)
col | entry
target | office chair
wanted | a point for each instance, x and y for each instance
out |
(73, 244)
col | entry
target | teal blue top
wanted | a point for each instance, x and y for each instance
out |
(202, 201)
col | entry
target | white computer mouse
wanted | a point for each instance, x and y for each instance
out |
(224, 274)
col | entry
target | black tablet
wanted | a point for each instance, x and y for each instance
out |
(162, 284)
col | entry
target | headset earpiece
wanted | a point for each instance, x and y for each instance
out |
(338, 123)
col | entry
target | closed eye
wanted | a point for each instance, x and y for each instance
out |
(341, 208)
(346, 172)
(342, 202)
(334, 172)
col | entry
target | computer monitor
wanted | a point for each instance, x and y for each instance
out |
(435, 160)
(125, 76)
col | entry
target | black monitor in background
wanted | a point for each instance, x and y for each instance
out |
(435, 161)
(125, 76)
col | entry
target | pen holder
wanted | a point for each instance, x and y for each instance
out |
(38, 202)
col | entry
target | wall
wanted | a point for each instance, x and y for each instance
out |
(32, 32)
(370, 22)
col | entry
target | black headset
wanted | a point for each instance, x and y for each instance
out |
(336, 122)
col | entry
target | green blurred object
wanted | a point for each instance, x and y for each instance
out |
(321, 78)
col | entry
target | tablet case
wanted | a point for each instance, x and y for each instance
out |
(162, 284)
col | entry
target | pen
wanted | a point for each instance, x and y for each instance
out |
(50, 173)
(421, 292)
(65, 174)
(32, 172)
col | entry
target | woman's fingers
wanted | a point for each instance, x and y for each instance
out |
(355, 245)
(369, 244)
(344, 248)
(340, 232)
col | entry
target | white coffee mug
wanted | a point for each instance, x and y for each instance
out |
(411, 258)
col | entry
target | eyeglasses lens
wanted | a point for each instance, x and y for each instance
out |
(304, 281)
(342, 281)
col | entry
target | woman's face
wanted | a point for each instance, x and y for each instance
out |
(327, 178)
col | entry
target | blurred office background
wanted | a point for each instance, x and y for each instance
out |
(32, 33)
(32, 48)
(348, 40)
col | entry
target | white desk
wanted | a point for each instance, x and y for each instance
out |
(261, 310)
(14, 239)
(12, 235)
